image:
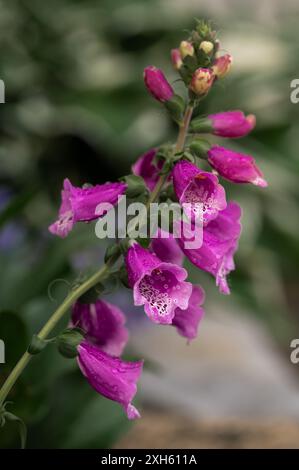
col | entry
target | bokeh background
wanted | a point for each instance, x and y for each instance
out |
(76, 106)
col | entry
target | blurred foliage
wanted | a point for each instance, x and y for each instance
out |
(76, 106)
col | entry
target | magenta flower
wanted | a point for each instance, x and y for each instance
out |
(232, 124)
(166, 247)
(235, 167)
(220, 242)
(148, 169)
(79, 204)
(194, 186)
(187, 321)
(157, 84)
(103, 324)
(110, 376)
(157, 285)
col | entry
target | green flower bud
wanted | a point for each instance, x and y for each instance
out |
(68, 341)
(200, 147)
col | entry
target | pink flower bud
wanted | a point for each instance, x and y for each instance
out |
(235, 167)
(157, 84)
(201, 81)
(232, 124)
(186, 48)
(176, 59)
(222, 65)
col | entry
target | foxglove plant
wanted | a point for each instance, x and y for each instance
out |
(152, 268)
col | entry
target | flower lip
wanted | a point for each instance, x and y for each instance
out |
(187, 321)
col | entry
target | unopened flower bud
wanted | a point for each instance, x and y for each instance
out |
(201, 81)
(206, 46)
(157, 84)
(222, 65)
(176, 59)
(68, 342)
(186, 48)
(232, 124)
(200, 147)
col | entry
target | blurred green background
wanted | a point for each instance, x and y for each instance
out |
(76, 106)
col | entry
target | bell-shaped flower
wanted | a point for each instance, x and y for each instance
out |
(220, 242)
(110, 376)
(103, 325)
(159, 286)
(80, 204)
(235, 167)
(199, 190)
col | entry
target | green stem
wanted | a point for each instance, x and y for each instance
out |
(184, 129)
(50, 325)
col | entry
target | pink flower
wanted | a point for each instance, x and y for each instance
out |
(220, 242)
(165, 246)
(187, 321)
(110, 376)
(79, 204)
(222, 65)
(201, 81)
(176, 59)
(232, 124)
(103, 324)
(235, 167)
(157, 285)
(194, 186)
(157, 84)
(148, 169)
